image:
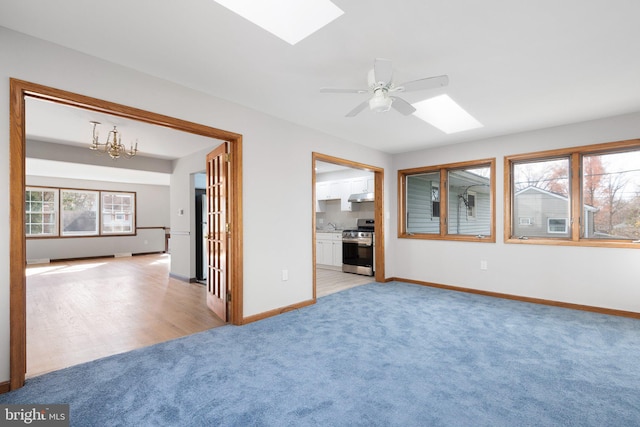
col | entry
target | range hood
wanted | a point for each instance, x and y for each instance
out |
(361, 197)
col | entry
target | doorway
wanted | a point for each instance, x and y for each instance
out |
(19, 91)
(201, 233)
(335, 278)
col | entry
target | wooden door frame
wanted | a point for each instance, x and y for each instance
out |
(19, 90)
(378, 206)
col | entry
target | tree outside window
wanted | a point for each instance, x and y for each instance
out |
(78, 214)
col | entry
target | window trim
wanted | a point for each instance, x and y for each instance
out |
(444, 212)
(132, 221)
(59, 215)
(575, 155)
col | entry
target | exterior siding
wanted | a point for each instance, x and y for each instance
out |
(538, 207)
(460, 223)
(419, 208)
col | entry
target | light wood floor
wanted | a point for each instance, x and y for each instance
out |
(332, 281)
(80, 311)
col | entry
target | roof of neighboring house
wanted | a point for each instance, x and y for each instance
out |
(552, 194)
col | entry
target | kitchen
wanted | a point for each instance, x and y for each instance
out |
(344, 211)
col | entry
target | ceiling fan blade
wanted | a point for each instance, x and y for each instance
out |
(402, 106)
(382, 71)
(338, 90)
(423, 84)
(358, 109)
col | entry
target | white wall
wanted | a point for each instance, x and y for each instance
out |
(602, 277)
(183, 214)
(277, 168)
(152, 210)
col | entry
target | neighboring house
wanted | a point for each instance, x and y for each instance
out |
(542, 213)
(469, 204)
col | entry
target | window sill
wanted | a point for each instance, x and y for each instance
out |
(583, 242)
(450, 237)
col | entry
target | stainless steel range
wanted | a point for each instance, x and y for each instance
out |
(358, 248)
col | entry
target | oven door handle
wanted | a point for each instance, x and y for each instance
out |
(359, 242)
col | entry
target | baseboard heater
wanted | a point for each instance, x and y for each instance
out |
(122, 254)
(38, 261)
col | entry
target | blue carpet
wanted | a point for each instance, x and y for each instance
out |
(380, 354)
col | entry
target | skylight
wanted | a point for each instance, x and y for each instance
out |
(291, 20)
(443, 112)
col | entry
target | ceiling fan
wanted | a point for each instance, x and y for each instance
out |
(381, 87)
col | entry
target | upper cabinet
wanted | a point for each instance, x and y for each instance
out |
(329, 190)
(341, 189)
(362, 185)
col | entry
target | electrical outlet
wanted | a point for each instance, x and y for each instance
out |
(483, 265)
(285, 275)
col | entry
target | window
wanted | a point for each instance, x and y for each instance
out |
(586, 195)
(435, 199)
(423, 203)
(55, 212)
(542, 192)
(78, 213)
(524, 221)
(41, 212)
(611, 195)
(454, 201)
(557, 225)
(471, 204)
(118, 213)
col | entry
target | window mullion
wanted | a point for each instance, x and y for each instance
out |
(444, 203)
(576, 196)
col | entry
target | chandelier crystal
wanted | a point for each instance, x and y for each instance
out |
(113, 146)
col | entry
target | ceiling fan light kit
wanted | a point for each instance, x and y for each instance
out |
(380, 102)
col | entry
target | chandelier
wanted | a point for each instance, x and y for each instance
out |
(113, 146)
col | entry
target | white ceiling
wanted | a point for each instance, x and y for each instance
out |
(62, 124)
(514, 65)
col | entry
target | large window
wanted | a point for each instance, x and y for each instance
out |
(78, 212)
(58, 212)
(454, 201)
(541, 197)
(579, 196)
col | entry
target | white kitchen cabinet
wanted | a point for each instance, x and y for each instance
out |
(371, 185)
(341, 189)
(362, 185)
(345, 204)
(322, 190)
(337, 252)
(329, 190)
(329, 249)
(359, 185)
